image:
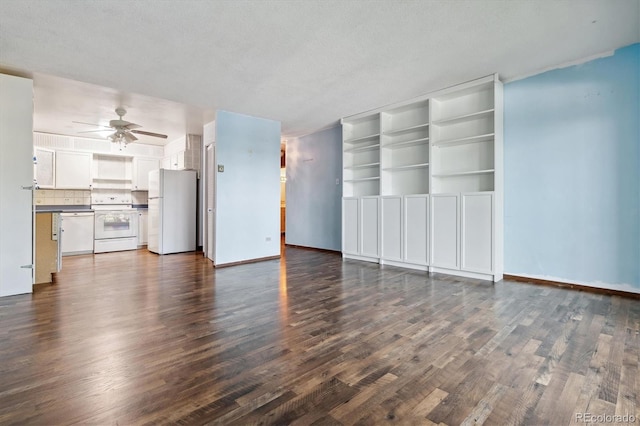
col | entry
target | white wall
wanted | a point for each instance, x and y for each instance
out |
(314, 190)
(248, 191)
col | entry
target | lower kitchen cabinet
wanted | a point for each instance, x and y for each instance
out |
(143, 233)
(77, 233)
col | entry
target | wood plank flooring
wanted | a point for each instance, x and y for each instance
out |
(133, 338)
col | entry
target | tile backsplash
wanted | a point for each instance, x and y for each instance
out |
(60, 197)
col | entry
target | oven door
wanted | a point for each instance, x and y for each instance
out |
(116, 224)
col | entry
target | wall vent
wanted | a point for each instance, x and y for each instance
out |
(47, 140)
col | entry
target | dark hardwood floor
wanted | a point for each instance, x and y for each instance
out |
(134, 338)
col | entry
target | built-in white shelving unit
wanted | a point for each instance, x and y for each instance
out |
(361, 158)
(424, 177)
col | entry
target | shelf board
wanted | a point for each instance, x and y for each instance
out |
(465, 140)
(363, 166)
(405, 130)
(362, 139)
(362, 179)
(464, 117)
(113, 179)
(405, 144)
(470, 173)
(409, 167)
(363, 148)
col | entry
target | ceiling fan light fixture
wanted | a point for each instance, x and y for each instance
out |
(128, 137)
(124, 130)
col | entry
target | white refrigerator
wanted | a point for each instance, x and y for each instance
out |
(172, 211)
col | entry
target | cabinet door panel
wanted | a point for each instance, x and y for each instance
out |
(391, 228)
(444, 222)
(416, 235)
(142, 167)
(73, 170)
(477, 232)
(369, 226)
(77, 236)
(350, 226)
(142, 228)
(45, 167)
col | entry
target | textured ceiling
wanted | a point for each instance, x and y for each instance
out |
(305, 63)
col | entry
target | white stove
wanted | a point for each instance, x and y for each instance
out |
(116, 227)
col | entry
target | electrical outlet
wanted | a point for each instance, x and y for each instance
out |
(267, 239)
(338, 181)
(220, 168)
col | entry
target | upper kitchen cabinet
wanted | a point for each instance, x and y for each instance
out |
(141, 169)
(73, 170)
(45, 161)
(183, 153)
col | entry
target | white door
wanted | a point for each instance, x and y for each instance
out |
(477, 232)
(211, 199)
(369, 227)
(350, 226)
(16, 173)
(416, 230)
(391, 228)
(444, 229)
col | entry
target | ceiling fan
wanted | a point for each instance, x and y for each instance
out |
(123, 130)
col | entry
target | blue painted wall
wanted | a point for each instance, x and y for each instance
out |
(248, 191)
(314, 162)
(572, 173)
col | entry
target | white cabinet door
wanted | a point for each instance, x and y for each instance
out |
(16, 174)
(73, 170)
(416, 230)
(391, 228)
(177, 161)
(143, 220)
(77, 233)
(444, 231)
(369, 227)
(350, 226)
(141, 169)
(45, 167)
(477, 232)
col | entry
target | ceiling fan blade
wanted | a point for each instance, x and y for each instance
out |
(155, 135)
(91, 124)
(132, 126)
(129, 137)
